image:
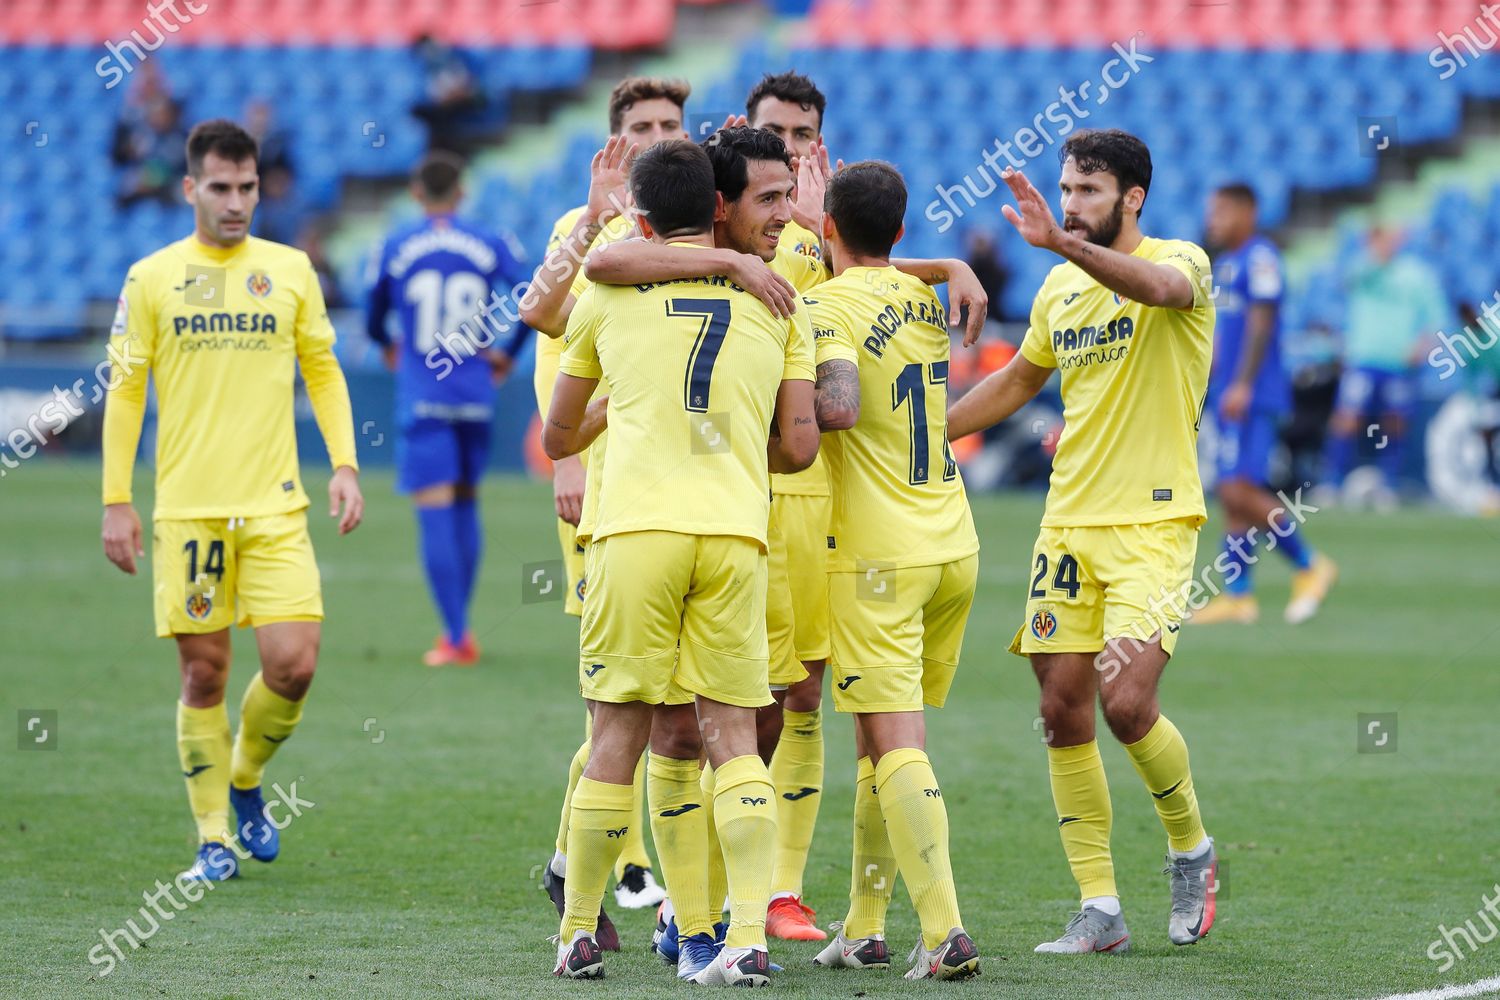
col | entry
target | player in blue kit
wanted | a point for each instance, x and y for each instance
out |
(448, 282)
(1248, 391)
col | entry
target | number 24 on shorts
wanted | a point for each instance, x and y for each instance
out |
(1065, 579)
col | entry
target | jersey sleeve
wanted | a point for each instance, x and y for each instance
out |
(580, 356)
(1264, 275)
(833, 339)
(326, 389)
(1036, 347)
(132, 346)
(377, 297)
(800, 270)
(1191, 260)
(799, 349)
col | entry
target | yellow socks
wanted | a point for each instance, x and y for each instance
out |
(917, 823)
(266, 720)
(873, 877)
(601, 817)
(680, 828)
(797, 773)
(745, 814)
(1081, 795)
(203, 747)
(575, 771)
(718, 878)
(1161, 759)
(635, 841)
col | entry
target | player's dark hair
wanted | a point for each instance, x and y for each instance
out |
(437, 177)
(1238, 191)
(634, 89)
(1113, 151)
(867, 201)
(221, 137)
(791, 87)
(730, 150)
(673, 184)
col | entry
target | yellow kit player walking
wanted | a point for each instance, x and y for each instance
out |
(698, 370)
(223, 321)
(903, 565)
(1128, 321)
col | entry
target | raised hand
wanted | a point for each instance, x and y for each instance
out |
(1031, 216)
(609, 178)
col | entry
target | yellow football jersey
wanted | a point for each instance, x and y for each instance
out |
(222, 331)
(694, 367)
(898, 497)
(803, 242)
(1133, 384)
(549, 349)
(805, 273)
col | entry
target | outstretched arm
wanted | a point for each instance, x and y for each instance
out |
(1132, 277)
(964, 289)
(638, 262)
(997, 397)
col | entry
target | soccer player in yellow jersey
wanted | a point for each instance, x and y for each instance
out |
(903, 563)
(797, 603)
(1128, 321)
(223, 320)
(698, 370)
(642, 112)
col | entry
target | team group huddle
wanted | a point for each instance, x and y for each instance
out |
(746, 399)
(769, 497)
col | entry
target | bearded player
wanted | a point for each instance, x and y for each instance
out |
(1128, 320)
(223, 321)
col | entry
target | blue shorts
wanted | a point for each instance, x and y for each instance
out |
(431, 451)
(1374, 392)
(1244, 448)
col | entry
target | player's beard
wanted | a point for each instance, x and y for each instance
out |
(1106, 232)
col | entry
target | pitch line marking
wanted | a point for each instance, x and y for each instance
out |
(1485, 987)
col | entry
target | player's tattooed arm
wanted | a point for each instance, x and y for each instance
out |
(837, 399)
(573, 422)
(640, 262)
(1129, 276)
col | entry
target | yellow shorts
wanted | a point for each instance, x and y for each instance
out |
(1093, 584)
(211, 574)
(572, 553)
(665, 607)
(804, 524)
(898, 633)
(786, 667)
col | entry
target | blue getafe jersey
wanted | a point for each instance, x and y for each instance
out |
(449, 283)
(1250, 274)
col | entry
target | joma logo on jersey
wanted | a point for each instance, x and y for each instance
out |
(892, 319)
(224, 322)
(1093, 336)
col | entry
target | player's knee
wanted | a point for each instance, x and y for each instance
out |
(204, 676)
(676, 735)
(1129, 714)
(290, 676)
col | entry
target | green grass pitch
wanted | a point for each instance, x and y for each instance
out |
(436, 791)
